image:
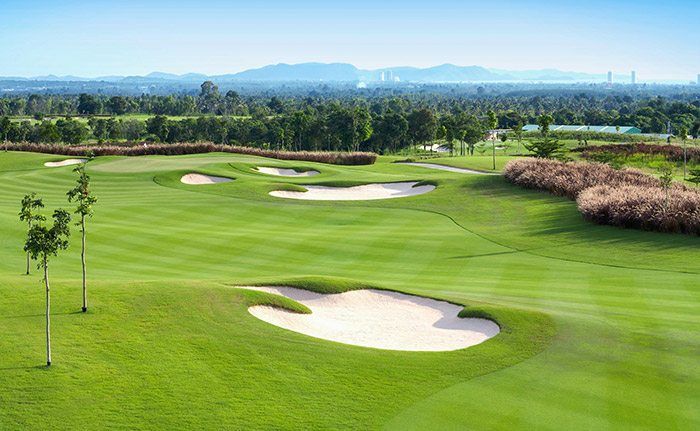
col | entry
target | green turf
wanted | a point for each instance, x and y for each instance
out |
(600, 325)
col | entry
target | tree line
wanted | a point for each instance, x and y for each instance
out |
(383, 124)
(651, 113)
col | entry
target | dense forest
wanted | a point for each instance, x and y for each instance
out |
(382, 120)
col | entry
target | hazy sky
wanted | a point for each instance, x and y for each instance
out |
(661, 40)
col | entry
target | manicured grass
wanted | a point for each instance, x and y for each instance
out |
(600, 325)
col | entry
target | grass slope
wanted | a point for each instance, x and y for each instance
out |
(601, 324)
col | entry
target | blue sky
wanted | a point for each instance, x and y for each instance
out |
(661, 40)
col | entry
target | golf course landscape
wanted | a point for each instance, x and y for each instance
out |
(598, 327)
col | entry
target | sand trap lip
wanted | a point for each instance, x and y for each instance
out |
(356, 193)
(66, 162)
(201, 179)
(376, 318)
(282, 172)
(448, 168)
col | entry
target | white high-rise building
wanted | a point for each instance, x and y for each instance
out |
(633, 77)
(610, 78)
(381, 76)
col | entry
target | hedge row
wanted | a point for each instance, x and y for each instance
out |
(625, 198)
(672, 153)
(336, 158)
(594, 136)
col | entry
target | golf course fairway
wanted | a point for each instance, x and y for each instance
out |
(599, 326)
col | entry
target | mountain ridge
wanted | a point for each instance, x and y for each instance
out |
(345, 72)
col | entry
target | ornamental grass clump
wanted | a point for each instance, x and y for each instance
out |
(639, 207)
(569, 178)
(625, 198)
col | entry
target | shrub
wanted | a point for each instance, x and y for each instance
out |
(640, 207)
(336, 158)
(569, 178)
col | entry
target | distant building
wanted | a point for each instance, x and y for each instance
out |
(629, 130)
(633, 77)
(698, 79)
(610, 78)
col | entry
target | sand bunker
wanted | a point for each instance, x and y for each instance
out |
(286, 172)
(356, 193)
(448, 168)
(379, 319)
(66, 162)
(200, 179)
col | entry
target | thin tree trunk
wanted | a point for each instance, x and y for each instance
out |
(48, 313)
(82, 258)
(493, 146)
(29, 262)
(685, 159)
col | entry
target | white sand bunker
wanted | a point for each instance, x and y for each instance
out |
(200, 179)
(356, 193)
(447, 168)
(286, 172)
(379, 319)
(66, 162)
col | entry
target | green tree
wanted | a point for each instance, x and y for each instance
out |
(545, 148)
(72, 132)
(5, 126)
(362, 126)
(85, 200)
(518, 131)
(31, 205)
(492, 125)
(88, 105)
(694, 176)
(666, 179)
(42, 243)
(422, 126)
(158, 126)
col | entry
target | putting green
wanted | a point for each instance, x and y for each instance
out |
(599, 326)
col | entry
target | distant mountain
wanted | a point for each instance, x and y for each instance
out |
(343, 72)
(442, 73)
(298, 72)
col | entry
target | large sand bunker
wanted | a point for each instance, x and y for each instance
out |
(379, 319)
(282, 172)
(356, 193)
(66, 162)
(448, 168)
(200, 179)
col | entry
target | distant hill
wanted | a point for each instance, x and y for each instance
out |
(343, 72)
